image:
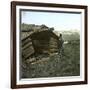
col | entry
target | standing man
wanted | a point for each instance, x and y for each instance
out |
(61, 48)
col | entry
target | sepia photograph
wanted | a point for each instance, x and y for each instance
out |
(50, 44)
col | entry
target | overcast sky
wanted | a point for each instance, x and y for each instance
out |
(60, 21)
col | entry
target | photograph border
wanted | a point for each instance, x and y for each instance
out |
(13, 44)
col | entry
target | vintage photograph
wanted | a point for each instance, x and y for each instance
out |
(49, 44)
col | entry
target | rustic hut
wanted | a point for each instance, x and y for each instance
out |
(39, 41)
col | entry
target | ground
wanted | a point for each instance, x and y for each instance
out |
(55, 65)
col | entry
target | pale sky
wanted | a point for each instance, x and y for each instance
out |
(60, 21)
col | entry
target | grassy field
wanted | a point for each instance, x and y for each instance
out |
(68, 64)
